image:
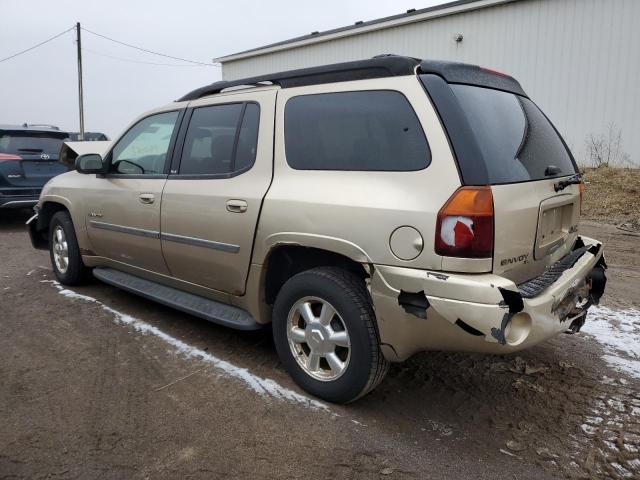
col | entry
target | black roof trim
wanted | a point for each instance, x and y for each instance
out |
(465, 73)
(377, 67)
(409, 13)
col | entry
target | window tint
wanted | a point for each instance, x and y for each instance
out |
(516, 140)
(372, 130)
(248, 137)
(143, 149)
(210, 144)
(25, 142)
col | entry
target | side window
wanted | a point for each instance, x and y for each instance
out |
(143, 149)
(360, 131)
(248, 137)
(213, 144)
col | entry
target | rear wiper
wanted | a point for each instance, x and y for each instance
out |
(572, 180)
(34, 150)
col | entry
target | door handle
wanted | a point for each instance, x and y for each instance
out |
(236, 206)
(147, 198)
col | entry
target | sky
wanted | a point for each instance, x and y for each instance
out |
(40, 86)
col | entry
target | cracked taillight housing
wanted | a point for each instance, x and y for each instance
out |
(465, 224)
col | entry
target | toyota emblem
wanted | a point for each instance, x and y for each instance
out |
(45, 156)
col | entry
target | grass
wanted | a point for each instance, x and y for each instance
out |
(612, 195)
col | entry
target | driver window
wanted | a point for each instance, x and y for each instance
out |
(143, 149)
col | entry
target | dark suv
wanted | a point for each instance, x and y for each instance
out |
(28, 160)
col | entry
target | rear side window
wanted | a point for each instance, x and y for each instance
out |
(516, 140)
(221, 139)
(360, 131)
(30, 143)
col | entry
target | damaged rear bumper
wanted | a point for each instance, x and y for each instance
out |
(421, 310)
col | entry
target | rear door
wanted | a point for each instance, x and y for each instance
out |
(30, 158)
(213, 196)
(123, 206)
(520, 154)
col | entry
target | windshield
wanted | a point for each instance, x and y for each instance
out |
(25, 142)
(516, 140)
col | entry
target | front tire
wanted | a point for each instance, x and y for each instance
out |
(64, 251)
(325, 333)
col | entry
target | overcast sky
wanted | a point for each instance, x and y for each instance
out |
(41, 86)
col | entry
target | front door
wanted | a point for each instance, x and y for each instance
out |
(123, 210)
(212, 199)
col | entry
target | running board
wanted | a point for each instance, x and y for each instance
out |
(216, 312)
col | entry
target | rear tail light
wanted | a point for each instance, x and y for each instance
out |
(581, 187)
(8, 156)
(465, 224)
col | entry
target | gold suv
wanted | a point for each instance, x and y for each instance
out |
(368, 210)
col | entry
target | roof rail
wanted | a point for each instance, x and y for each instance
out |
(385, 65)
(40, 125)
(377, 67)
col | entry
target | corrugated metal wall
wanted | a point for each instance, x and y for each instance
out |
(578, 59)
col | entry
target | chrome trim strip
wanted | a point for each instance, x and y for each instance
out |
(17, 203)
(34, 217)
(121, 229)
(199, 242)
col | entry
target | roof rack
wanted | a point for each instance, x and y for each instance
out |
(386, 65)
(40, 125)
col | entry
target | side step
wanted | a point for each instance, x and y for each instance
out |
(216, 312)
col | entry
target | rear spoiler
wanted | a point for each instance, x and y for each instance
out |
(464, 73)
(72, 150)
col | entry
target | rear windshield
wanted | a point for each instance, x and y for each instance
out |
(516, 140)
(24, 142)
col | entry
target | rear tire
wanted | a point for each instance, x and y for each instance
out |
(325, 333)
(64, 251)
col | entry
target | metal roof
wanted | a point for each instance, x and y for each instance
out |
(410, 16)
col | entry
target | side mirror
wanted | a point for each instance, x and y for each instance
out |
(89, 163)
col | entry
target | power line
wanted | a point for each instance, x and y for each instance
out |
(84, 49)
(148, 51)
(36, 46)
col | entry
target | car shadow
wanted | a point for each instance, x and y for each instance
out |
(13, 220)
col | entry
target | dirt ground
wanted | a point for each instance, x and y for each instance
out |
(98, 383)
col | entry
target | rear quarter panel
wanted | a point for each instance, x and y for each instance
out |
(354, 213)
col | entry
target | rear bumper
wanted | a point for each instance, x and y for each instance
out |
(420, 310)
(20, 201)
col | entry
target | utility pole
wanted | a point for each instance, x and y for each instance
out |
(80, 101)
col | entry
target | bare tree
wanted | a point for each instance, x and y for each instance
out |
(606, 149)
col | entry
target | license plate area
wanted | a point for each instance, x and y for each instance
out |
(42, 168)
(557, 221)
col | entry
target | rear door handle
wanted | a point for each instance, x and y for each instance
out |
(236, 206)
(147, 198)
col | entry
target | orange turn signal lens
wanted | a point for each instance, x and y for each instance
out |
(470, 201)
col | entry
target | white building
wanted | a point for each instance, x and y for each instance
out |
(578, 59)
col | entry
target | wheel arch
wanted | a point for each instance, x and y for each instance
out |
(47, 210)
(284, 260)
(54, 204)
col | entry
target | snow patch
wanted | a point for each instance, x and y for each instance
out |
(262, 386)
(619, 332)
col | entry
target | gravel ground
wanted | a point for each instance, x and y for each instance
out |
(95, 382)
